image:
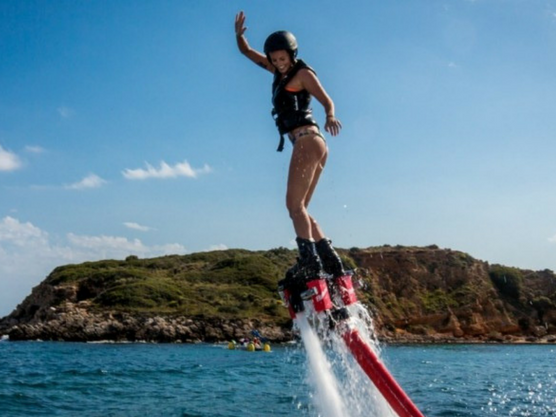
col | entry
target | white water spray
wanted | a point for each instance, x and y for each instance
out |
(329, 401)
(342, 388)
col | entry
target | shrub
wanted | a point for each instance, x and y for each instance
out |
(142, 294)
(245, 270)
(509, 281)
(542, 305)
(437, 300)
(233, 310)
(349, 263)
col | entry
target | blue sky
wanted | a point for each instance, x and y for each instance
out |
(136, 127)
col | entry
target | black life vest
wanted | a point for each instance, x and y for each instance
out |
(291, 109)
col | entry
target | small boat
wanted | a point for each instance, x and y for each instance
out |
(250, 345)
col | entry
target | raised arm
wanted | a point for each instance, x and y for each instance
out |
(254, 55)
(311, 83)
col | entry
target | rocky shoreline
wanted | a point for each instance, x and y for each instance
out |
(77, 323)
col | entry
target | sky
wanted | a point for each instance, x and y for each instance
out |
(137, 128)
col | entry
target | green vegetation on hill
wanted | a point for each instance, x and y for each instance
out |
(232, 283)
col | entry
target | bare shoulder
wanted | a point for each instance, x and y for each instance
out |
(307, 73)
(308, 78)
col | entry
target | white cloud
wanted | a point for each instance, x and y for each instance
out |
(102, 247)
(65, 112)
(34, 149)
(220, 246)
(20, 234)
(105, 242)
(28, 254)
(26, 257)
(9, 161)
(168, 249)
(136, 226)
(90, 181)
(182, 169)
(552, 239)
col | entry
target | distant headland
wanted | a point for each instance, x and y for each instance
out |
(415, 294)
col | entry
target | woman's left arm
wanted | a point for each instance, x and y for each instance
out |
(312, 84)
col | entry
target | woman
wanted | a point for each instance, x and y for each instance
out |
(294, 84)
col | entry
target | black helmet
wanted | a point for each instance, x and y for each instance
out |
(279, 41)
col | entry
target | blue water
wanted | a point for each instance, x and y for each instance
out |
(74, 379)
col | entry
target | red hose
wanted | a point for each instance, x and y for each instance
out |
(383, 380)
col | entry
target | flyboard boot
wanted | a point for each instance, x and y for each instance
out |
(306, 280)
(308, 268)
(340, 282)
(309, 264)
(331, 261)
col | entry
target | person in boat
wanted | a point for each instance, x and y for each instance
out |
(257, 343)
(294, 84)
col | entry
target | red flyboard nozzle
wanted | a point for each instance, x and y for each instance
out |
(285, 296)
(346, 289)
(321, 296)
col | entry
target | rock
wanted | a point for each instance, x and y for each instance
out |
(539, 331)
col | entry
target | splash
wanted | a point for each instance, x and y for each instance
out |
(328, 399)
(341, 387)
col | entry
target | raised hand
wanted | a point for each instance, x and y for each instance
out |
(240, 24)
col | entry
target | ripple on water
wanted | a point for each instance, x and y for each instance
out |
(65, 380)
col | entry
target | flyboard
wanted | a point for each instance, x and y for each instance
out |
(332, 297)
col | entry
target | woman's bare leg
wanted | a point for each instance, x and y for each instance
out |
(308, 159)
(316, 230)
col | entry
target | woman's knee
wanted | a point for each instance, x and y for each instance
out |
(296, 209)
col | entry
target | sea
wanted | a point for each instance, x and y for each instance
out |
(209, 380)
